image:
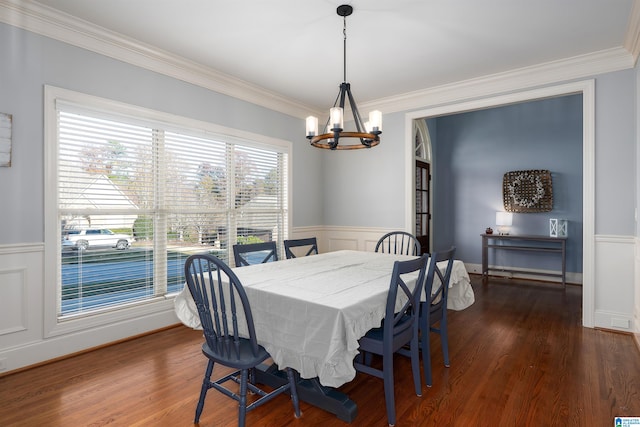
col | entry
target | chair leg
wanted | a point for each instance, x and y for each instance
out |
(252, 376)
(294, 392)
(389, 392)
(368, 358)
(415, 366)
(203, 391)
(444, 339)
(242, 407)
(425, 331)
(364, 357)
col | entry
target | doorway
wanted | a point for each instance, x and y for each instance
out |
(587, 88)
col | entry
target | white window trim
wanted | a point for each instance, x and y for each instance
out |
(52, 95)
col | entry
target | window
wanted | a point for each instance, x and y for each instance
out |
(138, 191)
(422, 140)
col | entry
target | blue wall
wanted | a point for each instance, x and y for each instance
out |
(472, 151)
(31, 61)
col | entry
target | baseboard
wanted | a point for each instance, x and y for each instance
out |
(87, 350)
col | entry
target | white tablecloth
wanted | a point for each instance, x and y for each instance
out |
(309, 312)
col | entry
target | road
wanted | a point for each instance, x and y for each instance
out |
(93, 284)
(107, 277)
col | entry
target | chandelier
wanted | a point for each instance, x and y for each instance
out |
(368, 133)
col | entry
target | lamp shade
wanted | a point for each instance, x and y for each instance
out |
(312, 126)
(336, 119)
(375, 121)
(504, 218)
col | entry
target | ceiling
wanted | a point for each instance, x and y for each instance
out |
(295, 48)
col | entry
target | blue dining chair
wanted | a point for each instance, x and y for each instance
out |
(254, 253)
(399, 242)
(433, 311)
(399, 328)
(307, 246)
(223, 308)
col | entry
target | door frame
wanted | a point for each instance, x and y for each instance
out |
(587, 89)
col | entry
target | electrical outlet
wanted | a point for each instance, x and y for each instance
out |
(3, 364)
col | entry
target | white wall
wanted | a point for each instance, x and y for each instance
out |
(346, 198)
(32, 61)
(615, 153)
(363, 188)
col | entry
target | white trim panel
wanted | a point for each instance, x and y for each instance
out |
(335, 238)
(23, 341)
(13, 300)
(614, 276)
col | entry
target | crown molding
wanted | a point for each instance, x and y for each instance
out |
(632, 39)
(54, 24)
(51, 23)
(577, 67)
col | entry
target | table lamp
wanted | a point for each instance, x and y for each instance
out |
(504, 221)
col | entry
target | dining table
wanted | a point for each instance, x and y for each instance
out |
(309, 313)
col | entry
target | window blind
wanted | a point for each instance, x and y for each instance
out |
(135, 199)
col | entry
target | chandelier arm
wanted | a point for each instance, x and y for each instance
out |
(344, 89)
(336, 138)
(358, 120)
(338, 96)
(356, 114)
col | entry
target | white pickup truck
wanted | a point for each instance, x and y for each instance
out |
(95, 237)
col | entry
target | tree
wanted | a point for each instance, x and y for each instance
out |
(106, 159)
(211, 186)
(245, 179)
(270, 183)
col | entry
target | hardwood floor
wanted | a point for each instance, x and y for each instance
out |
(519, 357)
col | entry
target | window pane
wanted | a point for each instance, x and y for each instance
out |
(196, 173)
(259, 198)
(98, 271)
(99, 196)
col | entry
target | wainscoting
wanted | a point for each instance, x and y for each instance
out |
(26, 339)
(26, 323)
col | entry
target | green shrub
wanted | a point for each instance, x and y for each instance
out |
(143, 228)
(245, 240)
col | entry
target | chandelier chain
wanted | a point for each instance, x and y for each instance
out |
(344, 50)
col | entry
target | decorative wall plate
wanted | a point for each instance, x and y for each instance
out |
(527, 191)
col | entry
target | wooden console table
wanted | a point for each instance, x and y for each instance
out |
(556, 245)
